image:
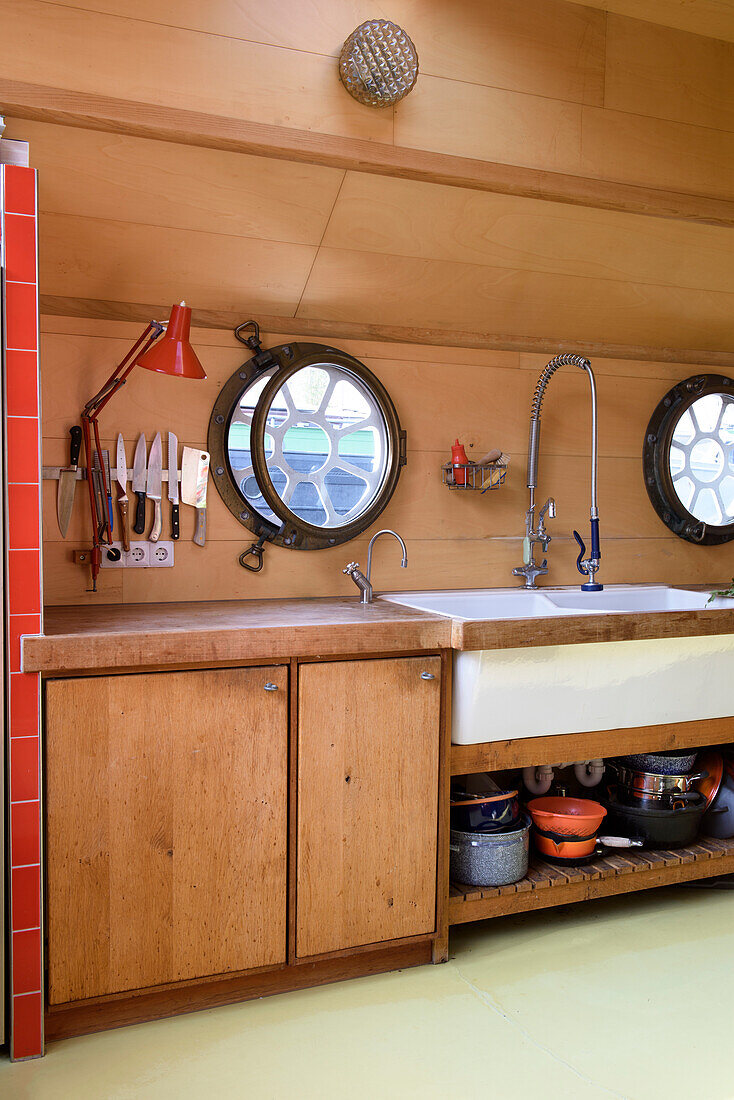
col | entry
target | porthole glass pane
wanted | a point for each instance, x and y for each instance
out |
(238, 449)
(701, 459)
(330, 441)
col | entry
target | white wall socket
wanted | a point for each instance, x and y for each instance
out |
(141, 555)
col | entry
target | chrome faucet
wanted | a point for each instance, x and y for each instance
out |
(364, 582)
(588, 567)
(535, 537)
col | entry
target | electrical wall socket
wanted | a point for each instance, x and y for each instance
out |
(141, 555)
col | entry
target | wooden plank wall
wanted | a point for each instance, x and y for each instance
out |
(546, 84)
(455, 540)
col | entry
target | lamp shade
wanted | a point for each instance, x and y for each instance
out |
(172, 353)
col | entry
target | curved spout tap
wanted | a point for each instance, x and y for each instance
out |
(587, 566)
(364, 580)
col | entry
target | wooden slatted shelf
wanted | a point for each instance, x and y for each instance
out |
(617, 873)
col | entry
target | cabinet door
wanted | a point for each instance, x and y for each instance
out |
(166, 828)
(368, 746)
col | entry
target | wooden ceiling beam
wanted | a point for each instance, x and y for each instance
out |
(87, 110)
(328, 331)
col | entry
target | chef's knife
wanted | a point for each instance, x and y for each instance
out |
(67, 481)
(194, 477)
(155, 472)
(173, 484)
(121, 486)
(139, 484)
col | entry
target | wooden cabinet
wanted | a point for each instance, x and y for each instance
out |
(166, 828)
(368, 758)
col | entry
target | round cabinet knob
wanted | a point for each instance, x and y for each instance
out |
(427, 676)
(271, 687)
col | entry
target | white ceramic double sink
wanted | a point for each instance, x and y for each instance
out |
(531, 691)
(519, 603)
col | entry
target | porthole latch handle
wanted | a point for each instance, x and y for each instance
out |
(256, 552)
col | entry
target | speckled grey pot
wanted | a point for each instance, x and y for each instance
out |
(662, 763)
(490, 859)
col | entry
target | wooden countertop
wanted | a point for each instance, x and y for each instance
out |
(164, 635)
(617, 626)
(145, 635)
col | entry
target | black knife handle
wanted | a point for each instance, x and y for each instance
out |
(139, 525)
(75, 445)
(175, 530)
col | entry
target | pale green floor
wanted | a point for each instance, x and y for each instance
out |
(628, 997)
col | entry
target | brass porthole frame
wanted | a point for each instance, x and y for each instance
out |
(656, 460)
(285, 360)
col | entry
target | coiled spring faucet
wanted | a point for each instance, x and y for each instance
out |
(588, 567)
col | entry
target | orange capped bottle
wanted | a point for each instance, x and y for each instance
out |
(459, 459)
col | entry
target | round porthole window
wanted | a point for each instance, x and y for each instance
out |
(306, 445)
(688, 459)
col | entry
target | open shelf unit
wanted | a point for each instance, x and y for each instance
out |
(618, 873)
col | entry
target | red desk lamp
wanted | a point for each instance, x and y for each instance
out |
(172, 355)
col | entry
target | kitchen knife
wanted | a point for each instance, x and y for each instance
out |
(67, 481)
(155, 472)
(173, 484)
(121, 486)
(194, 477)
(139, 484)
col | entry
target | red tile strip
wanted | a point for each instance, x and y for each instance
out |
(24, 601)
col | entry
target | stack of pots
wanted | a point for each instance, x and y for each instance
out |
(565, 829)
(656, 798)
(489, 843)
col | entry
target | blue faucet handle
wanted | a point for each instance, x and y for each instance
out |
(582, 551)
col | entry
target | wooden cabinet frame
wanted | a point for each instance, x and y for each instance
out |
(115, 1010)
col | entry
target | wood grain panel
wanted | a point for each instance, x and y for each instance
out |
(215, 574)
(714, 18)
(657, 153)
(115, 177)
(130, 262)
(440, 342)
(368, 747)
(359, 286)
(109, 114)
(173, 864)
(666, 73)
(113, 54)
(470, 120)
(430, 221)
(527, 751)
(486, 43)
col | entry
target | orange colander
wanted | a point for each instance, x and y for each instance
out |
(567, 816)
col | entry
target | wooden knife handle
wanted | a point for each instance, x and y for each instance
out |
(139, 525)
(200, 532)
(124, 536)
(157, 527)
(175, 524)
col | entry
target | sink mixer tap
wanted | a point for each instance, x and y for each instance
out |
(535, 537)
(363, 581)
(588, 567)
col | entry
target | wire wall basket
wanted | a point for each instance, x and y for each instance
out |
(477, 476)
